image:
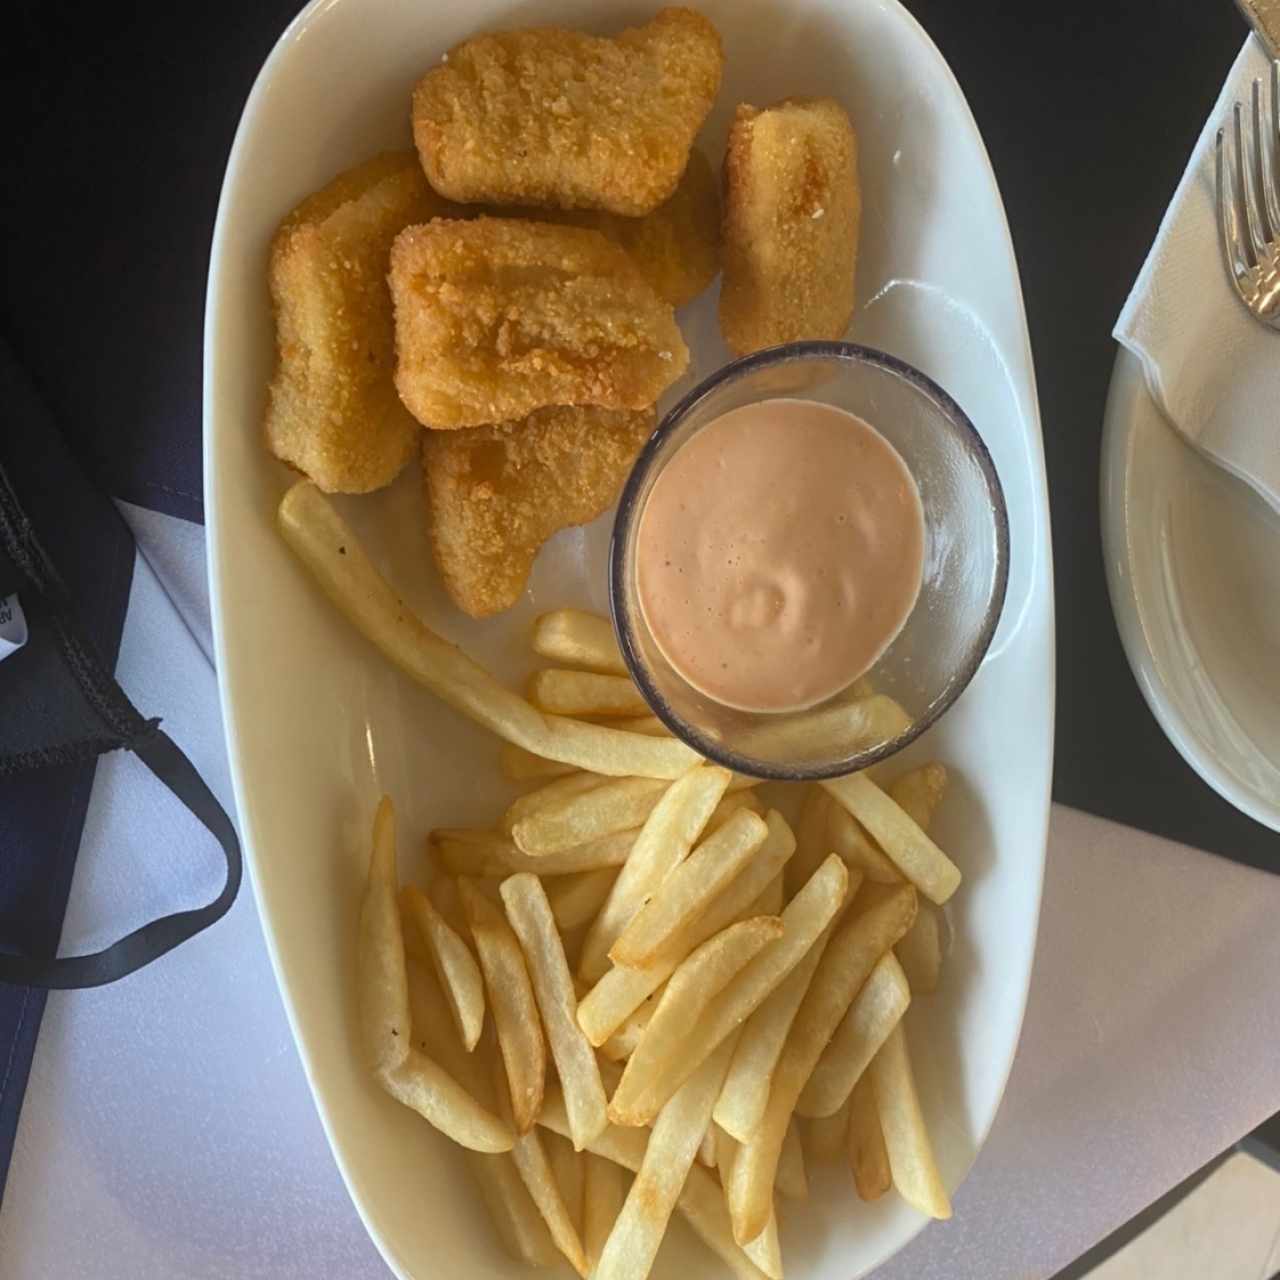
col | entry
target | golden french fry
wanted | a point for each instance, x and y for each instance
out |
(920, 951)
(444, 897)
(576, 899)
(846, 837)
(792, 1180)
(827, 1137)
(511, 1209)
(669, 832)
(829, 731)
(604, 1190)
(617, 804)
(726, 1149)
(868, 1159)
(515, 1012)
(454, 964)
(919, 792)
(548, 796)
(774, 898)
(649, 725)
(531, 918)
(732, 802)
(706, 1155)
(578, 639)
(621, 991)
(434, 1030)
(701, 1202)
(421, 1084)
(804, 921)
(812, 846)
(746, 1087)
(691, 989)
(570, 1174)
(585, 693)
(906, 1140)
(874, 1013)
(845, 965)
(668, 1159)
(916, 856)
(384, 986)
(622, 1044)
(688, 888)
(545, 1187)
(326, 544)
(766, 1251)
(463, 851)
(520, 765)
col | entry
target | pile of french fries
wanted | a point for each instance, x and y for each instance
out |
(641, 991)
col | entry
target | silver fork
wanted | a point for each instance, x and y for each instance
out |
(1248, 173)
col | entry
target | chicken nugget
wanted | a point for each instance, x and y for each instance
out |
(676, 247)
(332, 411)
(496, 317)
(557, 117)
(792, 209)
(496, 494)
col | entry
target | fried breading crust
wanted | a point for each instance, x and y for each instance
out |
(333, 412)
(496, 317)
(792, 207)
(496, 494)
(676, 247)
(555, 117)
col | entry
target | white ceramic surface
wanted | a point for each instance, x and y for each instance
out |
(1193, 563)
(318, 725)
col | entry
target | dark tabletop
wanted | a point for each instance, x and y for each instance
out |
(118, 121)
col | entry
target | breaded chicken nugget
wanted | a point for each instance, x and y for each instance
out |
(496, 494)
(554, 117)
(791, 215)
(333, 412)
(676, 247)
(497, 317)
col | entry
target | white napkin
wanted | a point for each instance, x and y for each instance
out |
(1211, 367)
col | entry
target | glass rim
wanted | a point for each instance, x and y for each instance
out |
(629, 510)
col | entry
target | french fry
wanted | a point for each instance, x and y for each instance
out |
(874, 1013)
(414, 948)
(827, 1137)
(919, 792)
(677, 1132)
(444, 897)
(845, 965)
(604, 1190)
(689, 887)
(920, 951)
(384, 986)
(424, 1086)
(906, 1140)
(804, 921)
(454, 964)
(434, 1030)
(530, 916)
(511, 1209)
(726, 1151)
(570, 1175)
(846, 837)
(621, 991)
(576, 899)
(466, 852)
(519, 765)
(578, 639)
(548, 796)
(916, 856)
(845, 729)
(515, 1012)
(669, 832)
(701, 1201)
(328, 547)
(706, 1155)
(545, 1188)
(811, 838)
(741, 1104)
(773, 899)
(868, 1159)
(691, 989)
(648, 724)
(766, 1251)
(792, 1180)
(622, 1044)
(617, 804)
(584, 693)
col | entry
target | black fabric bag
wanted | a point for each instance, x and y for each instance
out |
(66, 558)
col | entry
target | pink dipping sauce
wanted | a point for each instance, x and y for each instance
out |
(780, 552)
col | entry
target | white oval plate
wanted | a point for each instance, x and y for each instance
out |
(318, 725)
(1193, 563)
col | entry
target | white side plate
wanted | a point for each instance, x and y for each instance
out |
(1193, 563)
(319, 725)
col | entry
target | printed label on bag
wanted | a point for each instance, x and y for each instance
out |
(13, 626)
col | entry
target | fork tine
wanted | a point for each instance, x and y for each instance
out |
(1269, 205)
(1257, 236)
(1232, 242)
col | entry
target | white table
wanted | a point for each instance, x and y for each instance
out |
(168, 1132)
